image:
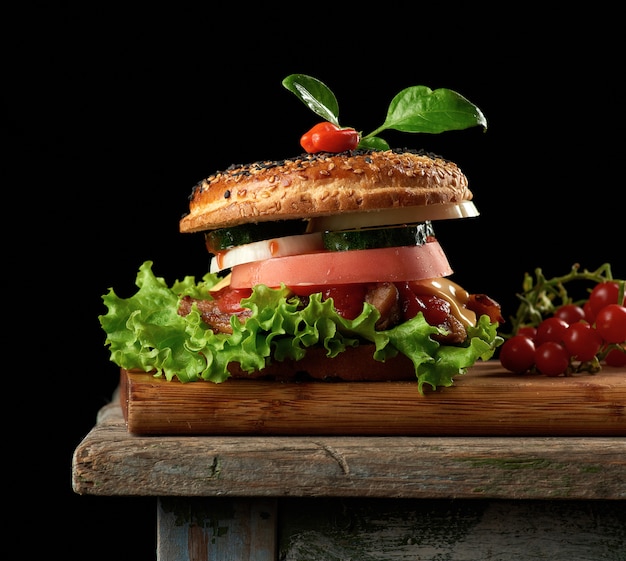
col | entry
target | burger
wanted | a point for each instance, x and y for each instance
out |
(323, 266)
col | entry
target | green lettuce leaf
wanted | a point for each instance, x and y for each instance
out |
(145, 332)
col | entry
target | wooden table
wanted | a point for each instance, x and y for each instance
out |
(365, 497)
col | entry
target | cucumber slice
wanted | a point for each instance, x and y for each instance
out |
(225, 238)
(374, 238)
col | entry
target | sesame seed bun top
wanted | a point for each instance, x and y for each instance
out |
(323, 184)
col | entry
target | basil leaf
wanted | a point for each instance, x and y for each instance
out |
(414, 109)
(315, 94)
(373, 143)
(420, 109)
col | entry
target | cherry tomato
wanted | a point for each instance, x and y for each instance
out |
(582, 341)
(611, 323)
(603, 293)
(517, 354)
(528, 330)
(570, 313)
(328, 137)
(589, 315)
(616, 357)
(551, 358)
(550, 329)
(436, 310)
(229, 299)
(411, 304)
(347, 299)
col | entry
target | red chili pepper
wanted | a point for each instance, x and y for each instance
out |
(327, 137)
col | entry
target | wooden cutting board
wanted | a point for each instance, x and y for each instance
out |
(487, 400)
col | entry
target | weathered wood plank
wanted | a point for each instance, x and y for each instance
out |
(194, 529)
(485, 401)
(110, 461)
(369, 530)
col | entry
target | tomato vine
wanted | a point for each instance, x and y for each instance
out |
(541, 296)
(554, 334)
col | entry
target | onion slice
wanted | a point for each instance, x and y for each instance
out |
(266, 249)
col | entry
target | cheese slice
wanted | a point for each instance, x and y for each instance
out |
(452, 293)
(391, 216)
(222, 283)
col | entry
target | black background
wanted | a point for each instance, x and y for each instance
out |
(113, 115)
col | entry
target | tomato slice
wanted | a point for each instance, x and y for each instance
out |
(390, 264)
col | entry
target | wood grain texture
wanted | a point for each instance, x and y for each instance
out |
(385, 530)
(340, 529)
(110, 461)
(486, 401)
(192, 529)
